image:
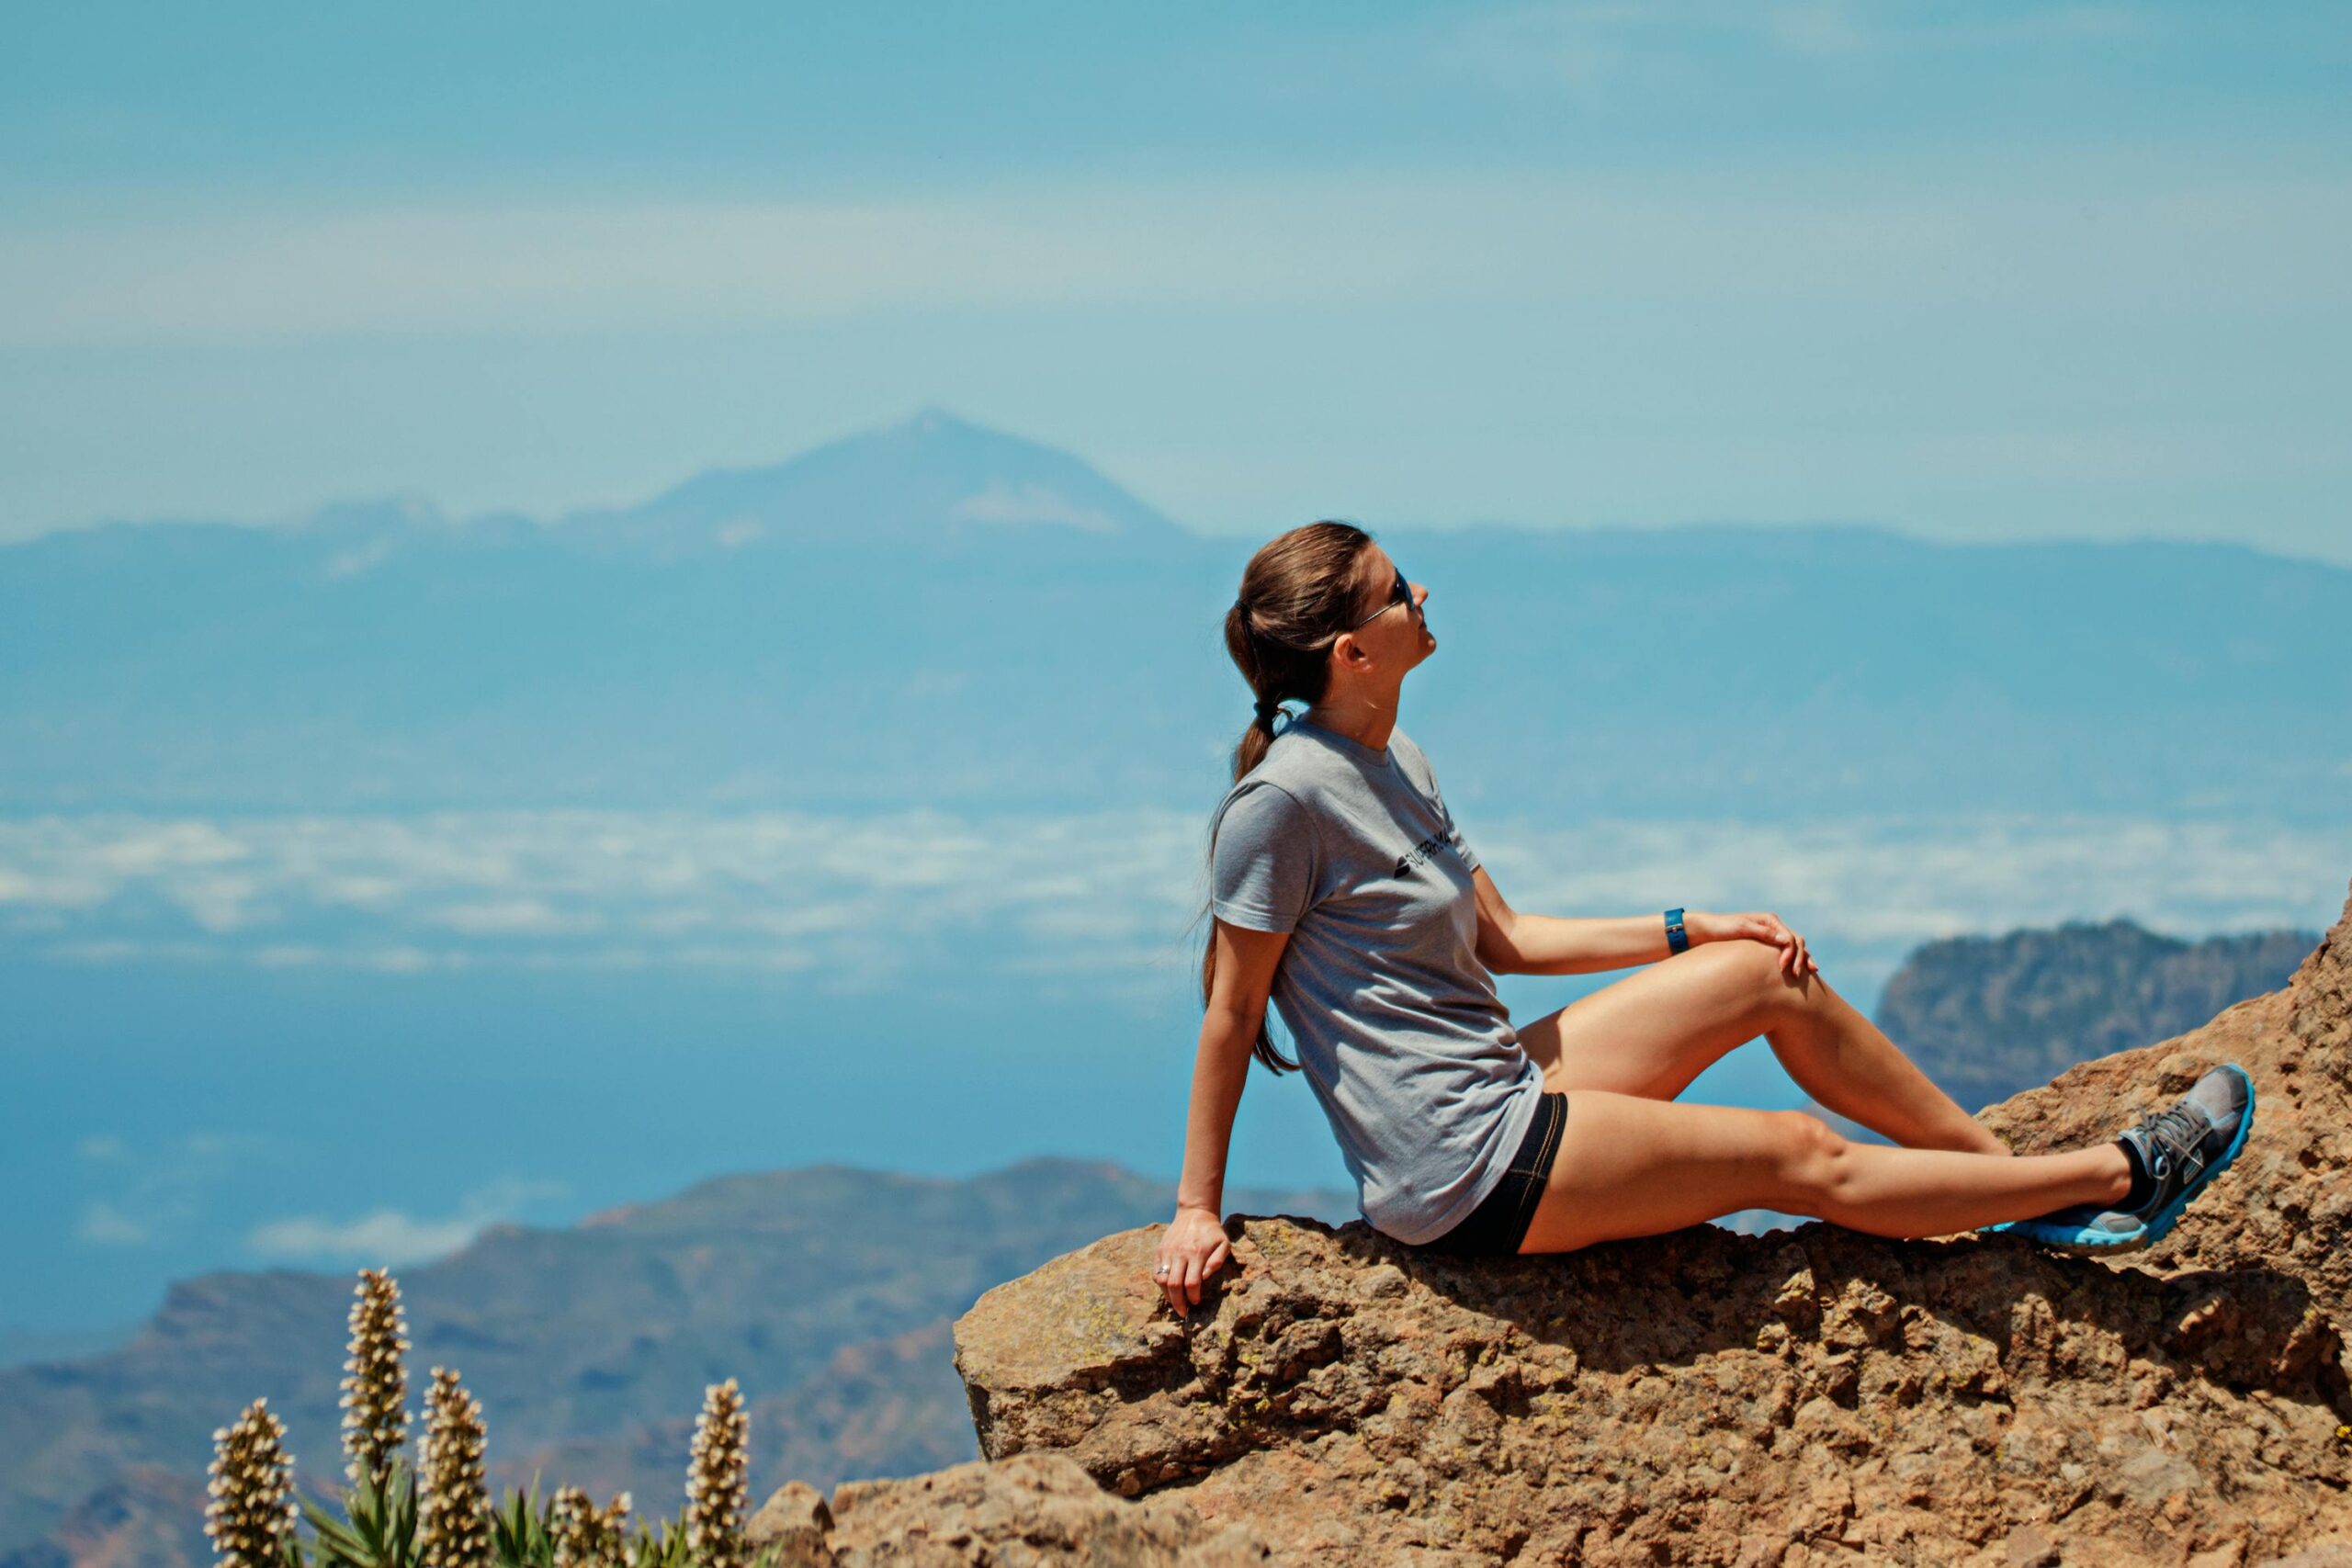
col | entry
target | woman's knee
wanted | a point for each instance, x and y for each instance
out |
(1816, 1159)
(1758, 968)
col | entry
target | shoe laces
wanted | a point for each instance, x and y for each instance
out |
(2175, 1131)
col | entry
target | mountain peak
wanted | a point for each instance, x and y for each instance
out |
(931, 480)
(932, 420)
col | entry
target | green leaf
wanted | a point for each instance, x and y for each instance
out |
(664, 1547)
(520, 1533)
(377, 1529)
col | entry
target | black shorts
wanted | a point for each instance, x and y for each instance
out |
(1496, 1226)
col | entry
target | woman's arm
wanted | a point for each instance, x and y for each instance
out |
(1512, 943)
(1195, 1246)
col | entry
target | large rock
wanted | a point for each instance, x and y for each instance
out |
(1706, 1397)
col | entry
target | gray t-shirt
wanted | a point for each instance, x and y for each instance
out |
(1395, 1023)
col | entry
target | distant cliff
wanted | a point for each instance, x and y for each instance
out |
(1988, 1016)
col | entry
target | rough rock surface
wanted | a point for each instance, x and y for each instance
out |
(1036, 1508)
(1703, 1397)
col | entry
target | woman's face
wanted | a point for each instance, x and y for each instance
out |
(1399, 633)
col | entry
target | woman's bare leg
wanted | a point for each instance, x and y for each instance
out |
(1629, 1165)
(1652, 1032)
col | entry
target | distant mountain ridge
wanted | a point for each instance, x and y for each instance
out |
(826, 1289)
(1989, 1016)
(936, 614)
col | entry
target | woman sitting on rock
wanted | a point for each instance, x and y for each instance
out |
(1343, 892)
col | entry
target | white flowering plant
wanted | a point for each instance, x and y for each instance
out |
(439, 1514)
(250, 1514)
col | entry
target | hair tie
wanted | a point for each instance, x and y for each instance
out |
(1267, 710)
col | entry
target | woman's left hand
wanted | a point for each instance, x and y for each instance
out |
(1796, 959)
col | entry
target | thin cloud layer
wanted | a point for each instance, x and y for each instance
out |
(1106, 901)
(1833, 239)
(394, 1237)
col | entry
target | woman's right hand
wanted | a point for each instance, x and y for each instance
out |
(1192, 1247)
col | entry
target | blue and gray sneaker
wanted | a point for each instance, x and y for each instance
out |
(2179, 1150)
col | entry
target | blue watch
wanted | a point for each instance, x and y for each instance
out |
(1677, 939)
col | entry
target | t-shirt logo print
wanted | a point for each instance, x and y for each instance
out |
(1421, 851)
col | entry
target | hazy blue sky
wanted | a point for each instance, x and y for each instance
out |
(1973, 270)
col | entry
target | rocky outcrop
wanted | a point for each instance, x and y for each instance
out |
(1699, 1397)
(1789, 1399)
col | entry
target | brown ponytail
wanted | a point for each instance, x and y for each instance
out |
(1298, 593)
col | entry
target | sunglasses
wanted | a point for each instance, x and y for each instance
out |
(1402, 594)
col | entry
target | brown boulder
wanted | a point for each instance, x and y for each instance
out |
(1792, 1399)
(794, 1523)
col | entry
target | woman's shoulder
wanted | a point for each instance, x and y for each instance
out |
(1260, 818)
(1279, 772)
(1290, 778)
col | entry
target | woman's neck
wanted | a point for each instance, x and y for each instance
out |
(1364, 721)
